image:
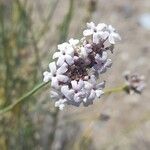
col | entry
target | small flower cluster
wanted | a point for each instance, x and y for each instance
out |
(75, 71)
(134, 82)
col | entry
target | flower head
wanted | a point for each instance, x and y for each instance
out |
(134, 82)
(78, 64)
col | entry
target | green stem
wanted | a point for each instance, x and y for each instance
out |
(23, 98)
(115, 90)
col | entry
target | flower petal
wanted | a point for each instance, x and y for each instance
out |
(57, 54)
(88, 85)
(101, 26)
(83, 52)
(62, 69)
(52, 67)
(92, 95)
(96, 38)
(61, 106)
(80, 84)
(100, 85)
(77, 98)
(87, 32)
(99, 93)
(111, 39)
(104, 35)
(60, 60)
(91, 25)
(62, 78)
(66, 92)
(47, 76)
(110, 28)
(74, 84)
(62, 46)
(73, 42)
(69, 59)
(108, 63)
(54, 82)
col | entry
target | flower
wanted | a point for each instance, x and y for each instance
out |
(65, 55)
(78, 64)
(101, 32)
(56, 75)
(113, 35)
(134, 82)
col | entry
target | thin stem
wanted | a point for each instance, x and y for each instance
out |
(115, 90)
(23, 98)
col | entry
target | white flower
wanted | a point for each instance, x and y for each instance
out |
(101, 26)
(113, 35)
(60, 103)
(47, 76)
(91, 29)
(73, 42)
(101, 35)
(91, 25)
(85, 50)
(96, 89)
(56, 75)
(77, 67)
(65, 55)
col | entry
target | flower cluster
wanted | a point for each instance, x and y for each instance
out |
(134, 82)
(77, 65)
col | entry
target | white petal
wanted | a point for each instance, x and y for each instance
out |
(91, 25)
(111, 29)
(52, 67)
(104, 35)
(62, 78)
(61, 106)
(62, 69)
(54, 83)
(62, 46)
(77, 98)
(80, 84)
(104, 56)
(47, 76)
(100, 85)
(88, 85)
(60, 60)
(57, 54)
(69, 59)
(96, 38)
(111, 39)
(100, 59)
(99, 93)
(70, 51)
(101, 26)
(108, 63)
(83, 52)
(57, 104)
(92, 95)
(93, 80)
(73, 41)
(74, 84)
(66, 92)
(88, 48)
(116, 36)
(87, 32)
(85, 100)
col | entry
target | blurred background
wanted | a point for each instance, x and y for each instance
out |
(29, 33)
